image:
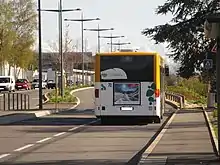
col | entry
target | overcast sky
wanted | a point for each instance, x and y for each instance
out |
(128, 17)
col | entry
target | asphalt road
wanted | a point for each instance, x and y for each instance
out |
(68, 138)
(19, 99)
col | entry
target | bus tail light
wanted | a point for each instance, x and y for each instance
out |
(157, 93)
(96, 93)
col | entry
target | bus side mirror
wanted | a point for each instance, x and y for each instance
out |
(167, 72)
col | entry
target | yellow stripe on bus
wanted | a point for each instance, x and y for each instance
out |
(157, 72)
(97, 68)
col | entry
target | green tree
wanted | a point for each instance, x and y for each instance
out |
(25, 24)
(7, 35)
(17, 32)
(184, 35)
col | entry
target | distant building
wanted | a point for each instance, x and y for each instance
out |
(71, 60)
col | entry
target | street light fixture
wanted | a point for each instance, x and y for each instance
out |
(60, 12)
(111, 37)
(99, 30)
(119, 44)
(82, 20)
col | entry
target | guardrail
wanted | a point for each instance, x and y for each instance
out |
(177, 99)
(15, 101)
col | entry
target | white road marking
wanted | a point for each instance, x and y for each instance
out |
(59, 134)
(74, 128)
(155, 142)
(43, 140)
(24, 147)
(4, 155)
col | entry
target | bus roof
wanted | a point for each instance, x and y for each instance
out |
(127, 53)
(161, 59)
(131, 54)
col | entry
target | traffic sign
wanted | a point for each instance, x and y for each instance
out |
(214, 49)
(208, 63)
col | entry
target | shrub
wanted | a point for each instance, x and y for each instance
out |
(68, 98)
(193, 89)
(195, 85)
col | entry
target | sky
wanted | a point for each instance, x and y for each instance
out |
(127, 17)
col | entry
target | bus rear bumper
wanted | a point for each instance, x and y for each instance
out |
(129, 119)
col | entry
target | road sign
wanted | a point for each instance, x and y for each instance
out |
(208, 63)
(214, 49)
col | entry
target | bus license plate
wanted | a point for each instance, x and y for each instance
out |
(127, 108)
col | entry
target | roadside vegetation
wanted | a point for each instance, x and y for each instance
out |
(194, 90)
(18, 23)
(68, 98)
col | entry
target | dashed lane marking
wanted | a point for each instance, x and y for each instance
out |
(43, 140)
(24, 147)
(59, 134)
(4, 155)
(46, 139)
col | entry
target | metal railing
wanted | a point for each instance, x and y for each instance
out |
(177, 99)
(14, 101)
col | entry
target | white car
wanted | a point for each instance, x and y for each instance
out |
(7, 83)
(35, 84)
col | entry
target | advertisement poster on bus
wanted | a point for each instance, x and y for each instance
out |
(127, 93)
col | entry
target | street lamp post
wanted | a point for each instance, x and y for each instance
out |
(40, 57)
(119, 44)
(82, 20)
(60, 12)
(99, 30)
(111, 37)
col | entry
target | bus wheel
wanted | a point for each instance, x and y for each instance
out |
(157, 120)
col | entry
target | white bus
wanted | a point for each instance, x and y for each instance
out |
(129, 85)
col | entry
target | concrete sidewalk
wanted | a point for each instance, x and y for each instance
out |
(8, 117)
(186, 141)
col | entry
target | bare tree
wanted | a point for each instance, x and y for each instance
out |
(69, 58)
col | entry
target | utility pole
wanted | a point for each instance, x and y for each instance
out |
(82, 20)
(212, 30)
(60, 11)
(98, 30)
(119, 44)
(40, 57)
(111, 37)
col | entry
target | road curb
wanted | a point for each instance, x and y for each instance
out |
(214, 139)
(17, 117)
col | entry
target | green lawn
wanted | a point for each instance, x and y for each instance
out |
(68, 98)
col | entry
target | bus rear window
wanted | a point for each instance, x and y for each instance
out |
(127, 68)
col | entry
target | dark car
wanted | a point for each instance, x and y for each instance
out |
(22, 84)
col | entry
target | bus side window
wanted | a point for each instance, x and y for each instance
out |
(167, 72)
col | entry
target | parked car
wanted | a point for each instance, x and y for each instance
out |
(35, 84)
(22, 84)
(7, 83)
(51, 84)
